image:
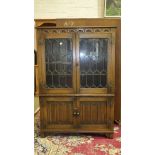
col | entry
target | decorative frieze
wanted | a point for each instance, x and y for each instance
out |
(74, 30)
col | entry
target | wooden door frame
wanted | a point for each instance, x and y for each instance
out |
(45, 127)
(110, 65)
(42, 64)
(109, 108)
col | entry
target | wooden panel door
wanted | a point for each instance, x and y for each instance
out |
(96, 113)
(96, 62)
(57, 113)
(56, 62)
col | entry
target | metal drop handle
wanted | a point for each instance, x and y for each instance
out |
(74, 113)
(78, 113)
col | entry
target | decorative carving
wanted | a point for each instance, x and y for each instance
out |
(68, 23)
(81, 30)
(106, 30)
(97, 30)
(73, 30)
(40, 42)
(54, 31)
(89, 30)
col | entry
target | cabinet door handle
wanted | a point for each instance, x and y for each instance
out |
(78, 113)
(74, 113)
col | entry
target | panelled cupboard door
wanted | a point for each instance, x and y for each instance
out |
(95, 113)
(57, 113)
(96, 62)
(57, 62)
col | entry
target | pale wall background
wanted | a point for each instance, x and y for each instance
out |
(44, 9)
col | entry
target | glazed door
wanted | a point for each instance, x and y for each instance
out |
(57, 60)
(95, 63)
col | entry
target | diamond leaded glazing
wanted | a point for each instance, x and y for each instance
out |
(59, 59)
(93, 62)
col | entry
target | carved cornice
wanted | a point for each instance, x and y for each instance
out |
(75, 30)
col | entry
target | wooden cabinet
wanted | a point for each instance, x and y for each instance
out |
(76, 78)
(95, 113)
(57, 113)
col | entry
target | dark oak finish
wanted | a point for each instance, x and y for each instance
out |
(78, 107)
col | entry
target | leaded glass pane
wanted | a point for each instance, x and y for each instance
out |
(59, 59)
(93, 62)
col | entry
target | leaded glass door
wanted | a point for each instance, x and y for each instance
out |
(95, 56)
(58, 67)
